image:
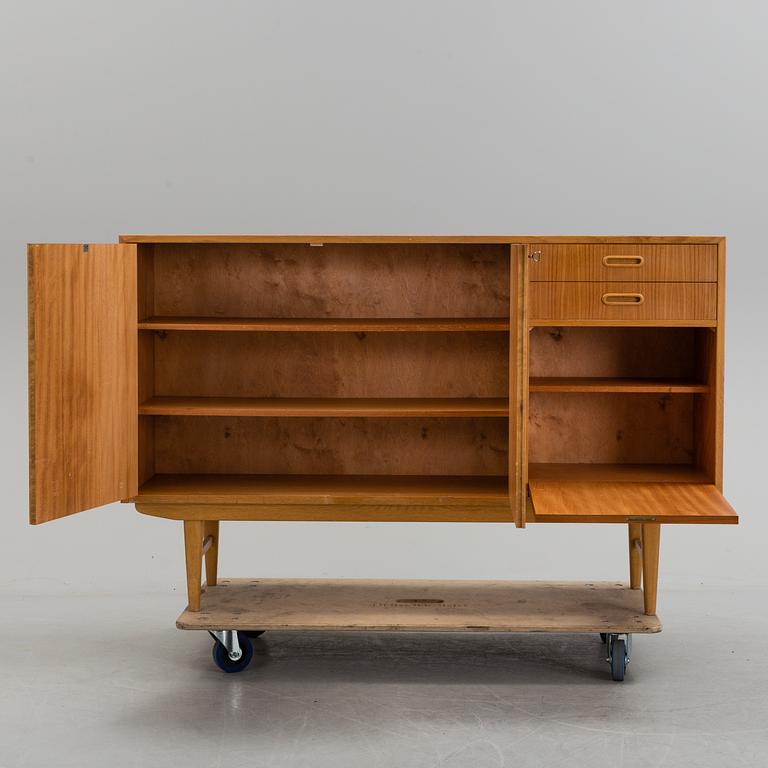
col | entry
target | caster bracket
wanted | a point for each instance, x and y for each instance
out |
(611, 638)
(228, 638)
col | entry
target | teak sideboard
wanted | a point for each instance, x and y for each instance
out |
(499, 379)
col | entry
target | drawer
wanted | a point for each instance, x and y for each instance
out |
(624, 263)
(645, 303)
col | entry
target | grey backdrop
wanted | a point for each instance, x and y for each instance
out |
(536, 117)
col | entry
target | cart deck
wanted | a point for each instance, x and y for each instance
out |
(420, 606)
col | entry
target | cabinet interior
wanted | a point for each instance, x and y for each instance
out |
(392, 361)
(342, 361)
(621, 403)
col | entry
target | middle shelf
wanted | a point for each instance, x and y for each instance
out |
(309, 406)
(401, 406)
(619, 385)
(326, 324)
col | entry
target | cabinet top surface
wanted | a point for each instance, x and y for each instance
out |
(490, 239)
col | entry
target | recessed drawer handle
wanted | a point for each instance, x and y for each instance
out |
(623, 261)
(623, 298)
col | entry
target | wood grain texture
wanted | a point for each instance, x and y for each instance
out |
(327, 325)
(334, 282)
(611, 429)
(331, 445)
(618, 473)
(420, 606)
(518, 383)
(611, 502)
(710, 407)
(385, 512)
(324, 489)
(193, 557)
(651, 535)
(600, 384)
(211, 532)
(691, 303)
(340, 238)
(635, 542)
(331, 365)
(82, 377)
(395, 407)
(625, 263)
(146, 358)
(665, 353)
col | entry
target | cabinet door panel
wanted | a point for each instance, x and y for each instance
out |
(564, 501)
(83, 409)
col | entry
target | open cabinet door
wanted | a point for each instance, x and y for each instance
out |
(574, 501)
(83, 409)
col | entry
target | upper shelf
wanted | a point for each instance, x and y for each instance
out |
(620, 385)
(325, 324)
(304, 406)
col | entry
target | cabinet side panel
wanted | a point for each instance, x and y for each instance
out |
(146, 359)
(518, 383)
(82, 377)
(710, 407)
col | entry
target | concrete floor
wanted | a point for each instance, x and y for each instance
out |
(97, 681)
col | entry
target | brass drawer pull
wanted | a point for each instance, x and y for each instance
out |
(623, 298)
(623, 261)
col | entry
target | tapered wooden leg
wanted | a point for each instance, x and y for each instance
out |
(211, 529)
(193, 550)
(651, 536)
(635, 555)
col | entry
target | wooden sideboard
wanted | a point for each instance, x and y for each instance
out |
(498, 379)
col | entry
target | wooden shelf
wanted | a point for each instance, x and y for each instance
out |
(617, 473)
(555, 323)
(586, 384)
(301, 406)
(325, 489)
(326, 325)
(420, 606)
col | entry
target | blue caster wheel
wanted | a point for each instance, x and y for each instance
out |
(223, 660)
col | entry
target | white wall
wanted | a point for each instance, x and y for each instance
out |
(613, 117)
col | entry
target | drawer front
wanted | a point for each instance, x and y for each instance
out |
(624, 263)
(615, 302)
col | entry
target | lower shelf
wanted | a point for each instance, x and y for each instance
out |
(325, 489)
(420, 606)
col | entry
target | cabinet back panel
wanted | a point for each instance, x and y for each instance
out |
(349, 280)
(331, 364)
(614, 352)
(367, 446)
(611, 428)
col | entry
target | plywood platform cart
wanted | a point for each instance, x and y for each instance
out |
(494, 379)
